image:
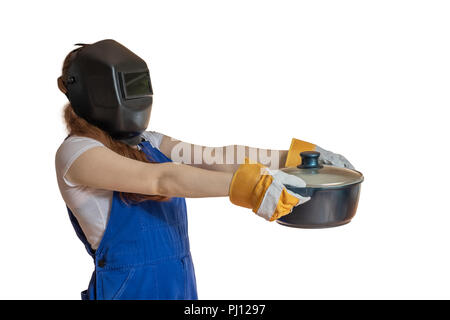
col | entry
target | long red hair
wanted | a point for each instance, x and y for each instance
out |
(77, 126)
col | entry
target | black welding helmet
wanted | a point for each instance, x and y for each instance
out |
(110, 87)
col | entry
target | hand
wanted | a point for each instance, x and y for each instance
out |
(333, 159)
(256, 187)
(326, 157)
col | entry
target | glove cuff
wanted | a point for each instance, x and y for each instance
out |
(243, 182)
(293, 157)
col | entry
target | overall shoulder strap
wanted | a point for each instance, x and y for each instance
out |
(152, 153)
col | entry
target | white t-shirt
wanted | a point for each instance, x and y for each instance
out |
(90, 206)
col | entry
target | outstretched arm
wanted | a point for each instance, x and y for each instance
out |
(102, 168)
(226, 158)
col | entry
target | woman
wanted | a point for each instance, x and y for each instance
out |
(125, 196)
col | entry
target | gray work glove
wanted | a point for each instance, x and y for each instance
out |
(333, 159)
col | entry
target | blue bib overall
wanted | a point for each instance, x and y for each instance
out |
(144, 252)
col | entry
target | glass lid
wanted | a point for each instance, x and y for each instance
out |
(323, 176)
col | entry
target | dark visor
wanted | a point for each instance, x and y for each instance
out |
(136, 84)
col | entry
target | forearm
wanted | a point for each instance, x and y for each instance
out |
(229, 158)
(226, 159)
(178, 180)
(283, 156)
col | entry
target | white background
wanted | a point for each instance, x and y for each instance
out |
(367, 79)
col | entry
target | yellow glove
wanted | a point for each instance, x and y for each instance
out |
(256, 187)
(293, 158)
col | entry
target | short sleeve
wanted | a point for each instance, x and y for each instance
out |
(153, 137)
(69, 151)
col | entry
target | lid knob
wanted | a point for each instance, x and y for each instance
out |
(310, 160)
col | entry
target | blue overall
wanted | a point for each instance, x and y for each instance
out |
(144, 252)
